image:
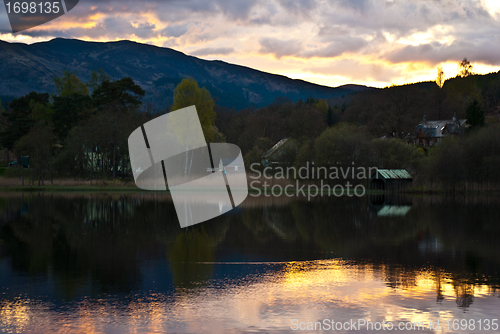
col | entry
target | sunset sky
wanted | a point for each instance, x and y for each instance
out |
(336, 42)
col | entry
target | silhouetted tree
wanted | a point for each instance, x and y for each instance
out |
(68, 111)
(464, 68)
(19, 117)
(120, 95)
(474, 114)
(37, 144)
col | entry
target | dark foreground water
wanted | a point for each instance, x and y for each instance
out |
(119, 263)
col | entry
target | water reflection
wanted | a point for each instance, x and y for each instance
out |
(390, 204)
(120, 263)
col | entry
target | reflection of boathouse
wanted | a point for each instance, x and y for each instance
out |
(391, 180)
(391, 205)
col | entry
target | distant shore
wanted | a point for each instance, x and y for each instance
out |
(75, 185)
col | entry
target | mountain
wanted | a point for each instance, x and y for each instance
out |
(157, 70)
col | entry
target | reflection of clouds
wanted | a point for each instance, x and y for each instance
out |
(268, 300)
(371, 32)
(15, 314)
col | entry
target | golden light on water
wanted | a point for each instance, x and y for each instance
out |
(14, 315)
(311, 290)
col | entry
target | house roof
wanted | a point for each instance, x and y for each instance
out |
(393, 174)
(433, 129)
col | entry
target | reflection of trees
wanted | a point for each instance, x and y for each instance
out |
(191, 257)
(192, 253)
(74, 237)
(347, 228)
(77, 237)
(465, 294)
(439, 278)
(400, 277)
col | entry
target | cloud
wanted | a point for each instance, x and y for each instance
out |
(355, 71)
(359, 6)
(339, 46)
(484, 51)
(280, 48)
(373, 32)
(174, 30)
(212, 51)
(236, 10)
(110, 28)
(301, 7)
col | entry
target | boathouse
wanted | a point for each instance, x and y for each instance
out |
(391, 180)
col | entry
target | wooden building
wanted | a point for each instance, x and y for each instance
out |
(391, 180)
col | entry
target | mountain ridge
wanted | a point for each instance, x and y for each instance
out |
(31, 67)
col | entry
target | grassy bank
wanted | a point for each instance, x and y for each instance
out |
(459, 187)
(255, 185)
(65, 184)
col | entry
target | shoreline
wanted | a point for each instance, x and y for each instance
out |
(287, 188)
(262, 191)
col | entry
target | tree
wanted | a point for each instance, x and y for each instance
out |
(103, 138)
(97, 78)
(68, 111)
(440, 77)
(474, 114)
(461, 92)
(464, 68)
(333, 115)
(307, 122)
(394, 153)
(37, 144)
(342, 144)
(187, 93)
(322, 107)
(3, 121)
(440, 94)
(69, 84)
(3, 124)
(41, 111)
(20, 118)
(120, 95)
(396, 111)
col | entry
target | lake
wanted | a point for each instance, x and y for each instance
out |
(120, 263)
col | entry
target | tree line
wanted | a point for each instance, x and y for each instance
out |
(377, 127)
(82, 129)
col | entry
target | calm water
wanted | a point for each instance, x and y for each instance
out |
(119, 263)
